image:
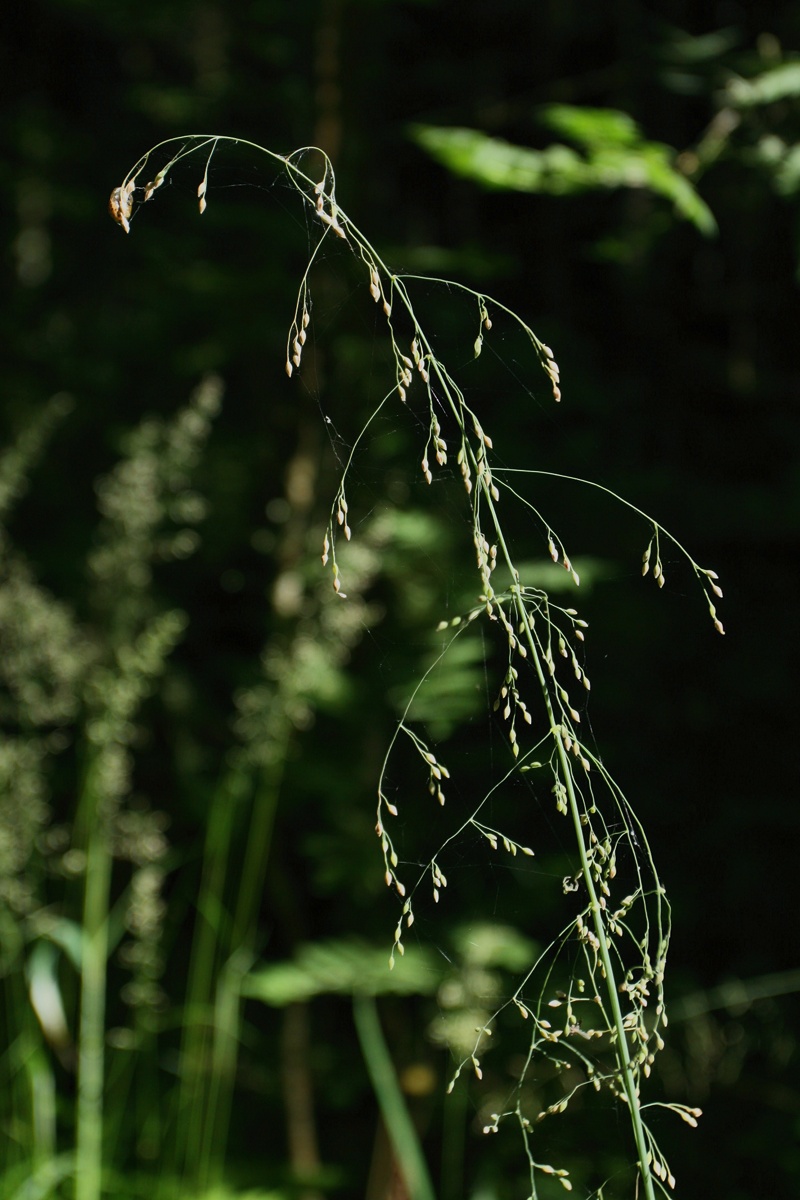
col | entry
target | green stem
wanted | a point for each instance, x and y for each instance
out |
(453, 1138)
(259, 839)
(91, 1035)
(211, 1041)
(622, 1051)
(192, 1150)
(399, 1126)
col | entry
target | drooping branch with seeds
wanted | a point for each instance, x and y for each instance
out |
(610, 1016)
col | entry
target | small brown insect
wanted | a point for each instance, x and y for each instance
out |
(120, 204)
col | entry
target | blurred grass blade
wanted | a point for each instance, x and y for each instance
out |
(396, 1117)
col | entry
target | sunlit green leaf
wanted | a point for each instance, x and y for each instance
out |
(708, 47)
(453, 691)
(614, 155)
(487, 944)
(497, 164)
(778, 83)
(591, 127)
(343, 968)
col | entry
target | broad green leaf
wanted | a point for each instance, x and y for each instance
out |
(497, 164)
(343, 968)
(778, 83)
(552, 578)
(591, 127)
(682, 47)
(454, 689)
(486, 944)
(614, 155)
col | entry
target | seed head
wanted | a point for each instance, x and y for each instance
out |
(120, 204)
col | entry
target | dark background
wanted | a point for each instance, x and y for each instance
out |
(679, 361)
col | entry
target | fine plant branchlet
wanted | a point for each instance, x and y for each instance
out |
(594, 998)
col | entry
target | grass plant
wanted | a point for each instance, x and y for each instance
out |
(590, 1004)
(623, 939)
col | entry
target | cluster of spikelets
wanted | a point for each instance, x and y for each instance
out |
(537, 631)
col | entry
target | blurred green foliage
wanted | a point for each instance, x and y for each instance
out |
(613, 154)
(168, 637)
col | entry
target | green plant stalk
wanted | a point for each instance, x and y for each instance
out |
(132, 1099)
(222, 1067)
(259, 837)
(46, 1179)
(91, 1030)
(623, 1054)
(228, 999)
(191, 1147)
(43, 1102)
(453, 1139)
(209, 1050)
(622, 1051)
(399, 1126)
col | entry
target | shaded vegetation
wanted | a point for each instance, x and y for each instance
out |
(195, 724)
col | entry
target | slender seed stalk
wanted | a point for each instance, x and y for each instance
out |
(621, 1042)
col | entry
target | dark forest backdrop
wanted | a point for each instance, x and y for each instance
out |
(678, 349)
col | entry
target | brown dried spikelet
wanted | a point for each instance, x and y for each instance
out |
(154, 183)
(120, 204)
